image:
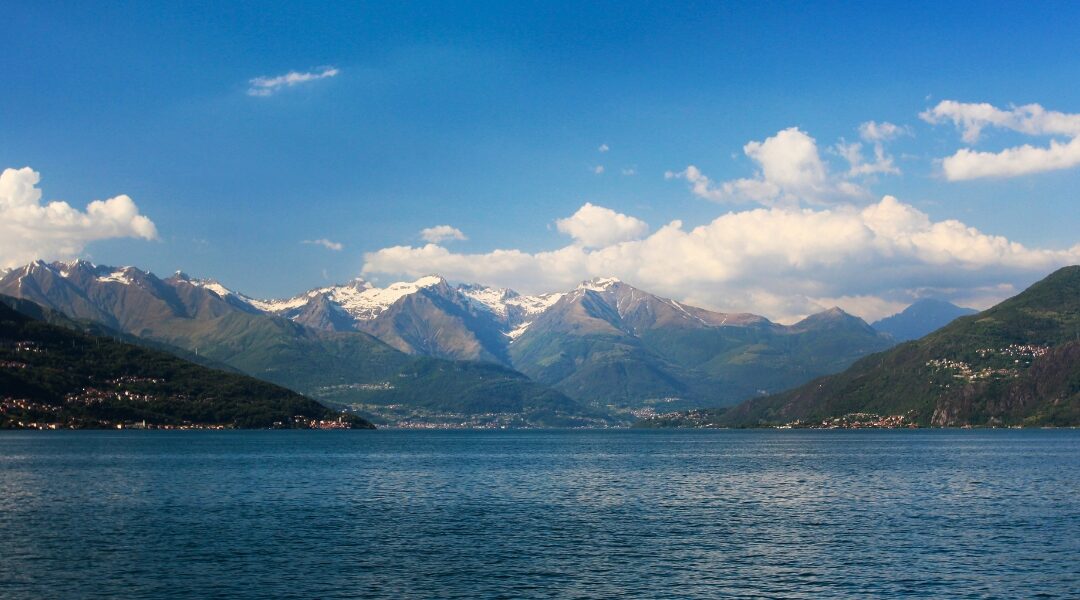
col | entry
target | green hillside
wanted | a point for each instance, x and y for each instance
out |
(55, 376)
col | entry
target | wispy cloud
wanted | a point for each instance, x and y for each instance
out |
(267, 86)
(603, 148)
(442, 233)
(325, 243)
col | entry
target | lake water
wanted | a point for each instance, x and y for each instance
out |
(476, 514)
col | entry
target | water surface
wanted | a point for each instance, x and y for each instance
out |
(602, 514)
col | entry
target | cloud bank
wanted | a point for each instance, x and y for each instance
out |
(30, 230)
(268, 86)
(1031, 119)
(783, 262)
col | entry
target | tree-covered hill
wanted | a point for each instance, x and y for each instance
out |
(56, 376)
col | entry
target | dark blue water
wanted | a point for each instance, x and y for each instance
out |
(540, 514)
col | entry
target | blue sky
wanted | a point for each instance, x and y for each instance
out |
(489, 118)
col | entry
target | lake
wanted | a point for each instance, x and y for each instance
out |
(518, 514)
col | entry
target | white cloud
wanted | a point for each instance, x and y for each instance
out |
(629, 171)
(790, 171)
(1030, 119)
(1011, 162)
(873, 131)
(266, 86)
(875, 134)
(595, 226)
(783, 262)
(30, 230)
(598, 169)
(603, 148)
(325, 243)
(441, 233)
(853, 154)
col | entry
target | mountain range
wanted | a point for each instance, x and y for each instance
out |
(352, 369)
(604, 342)
(1017, 363)
(602, 346)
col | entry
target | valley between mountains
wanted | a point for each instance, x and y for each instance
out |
(434, 353)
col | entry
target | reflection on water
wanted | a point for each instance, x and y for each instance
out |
(539, 514)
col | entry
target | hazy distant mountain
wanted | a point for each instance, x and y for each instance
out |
(343, 367)
(921, 318)
(1016, 363)
(615, 344)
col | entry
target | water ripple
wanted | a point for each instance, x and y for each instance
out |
(974, 514)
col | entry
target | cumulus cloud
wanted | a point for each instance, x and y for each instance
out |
(595, 226)
(782, 262)
(1031, 119)
(267, 86)
(598, 169)
(603, 148)
(325, 243)
(30, 230)
(790, 171)
(441, 233)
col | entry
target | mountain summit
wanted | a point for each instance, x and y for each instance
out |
(921, 318)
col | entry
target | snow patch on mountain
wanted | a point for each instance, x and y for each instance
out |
(534, 305)
(599, 284)
(122, 275)
(488, 298)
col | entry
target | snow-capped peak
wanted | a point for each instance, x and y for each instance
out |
(65, 268)
(599, 284)
(358, 298)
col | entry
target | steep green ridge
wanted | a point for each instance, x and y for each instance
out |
(1017, 363)
(55, 375)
